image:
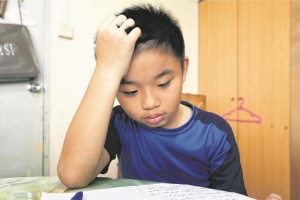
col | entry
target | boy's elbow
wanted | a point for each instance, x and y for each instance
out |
(71, 178)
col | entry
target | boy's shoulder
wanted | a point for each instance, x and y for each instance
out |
(117, 111)
(207, 118)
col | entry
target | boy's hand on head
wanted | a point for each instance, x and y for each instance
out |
(114, 47)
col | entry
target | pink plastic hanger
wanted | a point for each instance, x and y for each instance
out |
(254, 117)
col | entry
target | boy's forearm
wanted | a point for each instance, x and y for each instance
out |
(82, 154)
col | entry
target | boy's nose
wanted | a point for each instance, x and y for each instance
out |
(149, 100)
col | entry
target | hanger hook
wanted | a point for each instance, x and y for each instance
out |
(242, 99)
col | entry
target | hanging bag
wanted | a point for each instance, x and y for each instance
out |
(17, 57)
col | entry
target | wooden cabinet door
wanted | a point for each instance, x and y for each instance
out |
(263, 81)
(244, 52)
(218, 55)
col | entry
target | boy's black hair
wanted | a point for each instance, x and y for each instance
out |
(159, 30)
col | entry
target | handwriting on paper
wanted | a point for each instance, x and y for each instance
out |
(160, 191)
(187, 192)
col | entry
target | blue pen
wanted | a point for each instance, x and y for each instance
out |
(77, 196)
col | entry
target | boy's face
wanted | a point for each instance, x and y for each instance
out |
(150, 92)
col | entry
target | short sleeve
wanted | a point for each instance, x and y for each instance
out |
(229, 175)
(112, 142)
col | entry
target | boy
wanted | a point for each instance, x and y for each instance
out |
(157, 137)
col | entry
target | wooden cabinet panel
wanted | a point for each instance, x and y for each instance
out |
(244, 51)
(263, 80)
(218, 55)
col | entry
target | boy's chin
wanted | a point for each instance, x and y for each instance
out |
(158, 125)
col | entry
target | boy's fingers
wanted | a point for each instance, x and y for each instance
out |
(126, 24)
(274, 196)
(119, 20)
(135, 33)
(112, 20)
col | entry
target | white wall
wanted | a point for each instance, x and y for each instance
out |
(72, 61)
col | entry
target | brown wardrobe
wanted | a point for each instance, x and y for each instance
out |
(249, 70)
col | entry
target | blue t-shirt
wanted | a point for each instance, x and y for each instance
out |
(201, 152)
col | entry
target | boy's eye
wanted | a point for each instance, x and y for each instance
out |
(130, 93)
(166, 84)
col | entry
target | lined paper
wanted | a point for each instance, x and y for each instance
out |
(159, 191)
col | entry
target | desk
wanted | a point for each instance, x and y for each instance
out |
(30, 188)
(20, 188)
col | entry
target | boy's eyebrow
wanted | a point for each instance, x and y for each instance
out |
(126, 82)
(163, 73)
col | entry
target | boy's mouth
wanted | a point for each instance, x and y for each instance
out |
(154, 119)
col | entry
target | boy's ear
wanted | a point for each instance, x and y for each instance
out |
(185, 68)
